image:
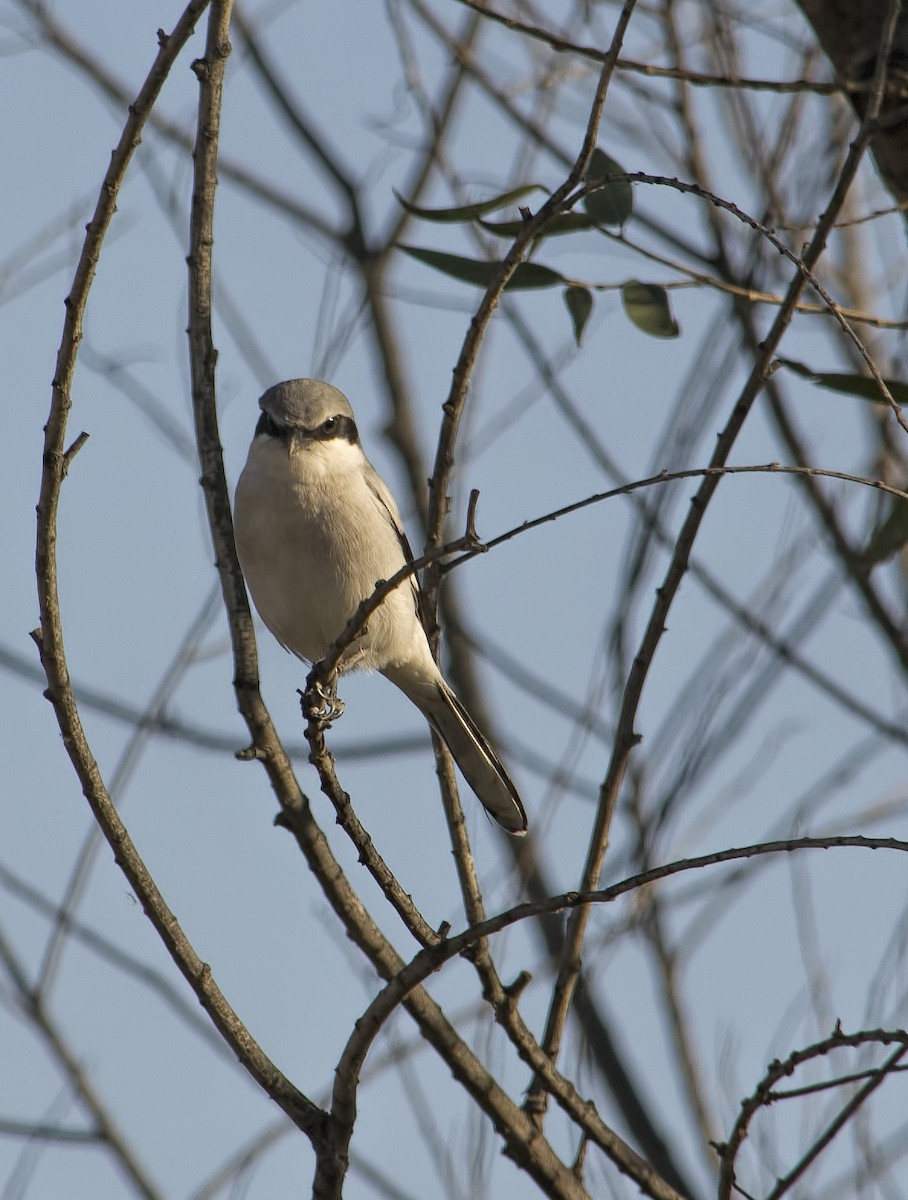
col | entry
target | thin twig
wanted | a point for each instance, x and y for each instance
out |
(667, 959)
(50, 637)
(39, 1132)
(431, 959)
(466, 361)
(106, 1129)
(427, 961)
(626, 737)
(400, 900)
(832, 307)
(141, 733)
(754, 295)
(781, 1070)
(684, 75)
(711, 472)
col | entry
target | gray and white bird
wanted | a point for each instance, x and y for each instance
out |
(316, 528)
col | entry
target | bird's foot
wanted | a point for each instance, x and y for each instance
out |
(320, 702)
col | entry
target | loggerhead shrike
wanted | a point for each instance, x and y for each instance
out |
(316, 528)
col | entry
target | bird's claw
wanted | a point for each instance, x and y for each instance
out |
(321, 703)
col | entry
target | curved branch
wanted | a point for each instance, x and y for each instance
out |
(696, 78)
(463, 370)
(50, 635)
(801, 264)
(711, 472)
(432, 958)
(626, 737)
(763, 1096)
(521, 1142)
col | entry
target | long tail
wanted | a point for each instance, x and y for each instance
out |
(477, 760)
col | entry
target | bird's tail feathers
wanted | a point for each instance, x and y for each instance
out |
(476, 759)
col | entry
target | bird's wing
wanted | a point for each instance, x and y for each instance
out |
(388, 507)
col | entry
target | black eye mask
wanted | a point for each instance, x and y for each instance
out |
(339, 426)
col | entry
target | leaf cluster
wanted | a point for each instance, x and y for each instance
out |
(607, 199)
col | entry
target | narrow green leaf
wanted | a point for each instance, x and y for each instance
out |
(579, 301)
(861, 386)
(570, 222)
(647, 306)
(612, 203)
(481, 273)
(891, 536)
(469, 212)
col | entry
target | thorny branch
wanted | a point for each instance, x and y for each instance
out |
(453, 406)
(369, 259)
(49, 637)
(765, 1094)
(626, 737)
(531, 1152)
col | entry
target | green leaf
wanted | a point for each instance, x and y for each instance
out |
(579, 301)
(861, 386)
(647, 306)
(469, 211)
(612, 203)
(570, 222)
(481, 273)
(891, 536)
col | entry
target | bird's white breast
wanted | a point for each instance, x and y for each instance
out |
(313, 539)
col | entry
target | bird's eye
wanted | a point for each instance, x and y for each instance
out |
(330, 424)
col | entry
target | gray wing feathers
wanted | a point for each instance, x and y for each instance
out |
(477, 760)
(388, 507)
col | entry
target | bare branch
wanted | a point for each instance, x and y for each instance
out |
(780, 1070)
(453, 406)
(106, 1131)
(682, 75)
(626, 737)
(432, 958)
(50, 637)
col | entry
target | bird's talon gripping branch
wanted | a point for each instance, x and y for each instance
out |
(321, 703)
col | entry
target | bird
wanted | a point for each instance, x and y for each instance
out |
(316, 528)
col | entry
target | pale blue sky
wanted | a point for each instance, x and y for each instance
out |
(136, 567)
